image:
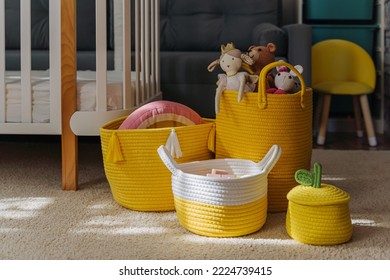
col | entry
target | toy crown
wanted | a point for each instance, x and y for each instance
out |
(227, 48)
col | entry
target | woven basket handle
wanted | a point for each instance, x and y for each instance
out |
(262, 96)
(270, 159)
(168, 160)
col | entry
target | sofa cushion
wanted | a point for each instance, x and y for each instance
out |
(40, 24)
(194, 25)
(265, 33)
(188, 67)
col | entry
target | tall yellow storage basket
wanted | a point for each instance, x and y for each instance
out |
(137, 177)
(249, 128)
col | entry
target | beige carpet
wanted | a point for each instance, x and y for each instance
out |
(39, 221)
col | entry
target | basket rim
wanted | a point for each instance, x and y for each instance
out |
(290, 95)
(106, 127)
(263, 167)
(326, 195)
(250, 163)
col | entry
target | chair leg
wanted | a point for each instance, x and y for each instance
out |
(368, 120)
(317, 114)
(358, 116)
(324, 119)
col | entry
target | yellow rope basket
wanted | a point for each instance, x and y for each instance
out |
(249, 128)
(137, 177)
(319, 215)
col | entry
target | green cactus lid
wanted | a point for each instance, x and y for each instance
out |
(312, 192)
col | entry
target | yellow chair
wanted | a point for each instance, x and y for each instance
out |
(340, 67)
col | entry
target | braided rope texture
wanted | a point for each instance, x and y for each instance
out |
(221, 220)
(139, 180)
(245, 131)
(319, 216)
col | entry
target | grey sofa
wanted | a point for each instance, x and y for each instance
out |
(192, 32)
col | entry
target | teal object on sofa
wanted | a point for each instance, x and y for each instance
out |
(192, 32)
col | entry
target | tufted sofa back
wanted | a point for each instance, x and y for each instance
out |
(203, 25)
(86, 34)
(40, 24)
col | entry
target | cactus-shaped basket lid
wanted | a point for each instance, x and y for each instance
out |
(312, 192)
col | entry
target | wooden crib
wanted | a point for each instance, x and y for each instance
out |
(139, 86)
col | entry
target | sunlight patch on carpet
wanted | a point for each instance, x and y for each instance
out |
(23, 207)
(333, 178)
(240, 240)
(122, 230)
(108, 221)
(364, 222)
(129, 223)
(8, 230)
(102, 206)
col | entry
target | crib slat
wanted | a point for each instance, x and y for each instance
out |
(157, 45)
(55, 63)
(147, 48)
(2, 62)
(25, 59)
(152, 47)
(128, 97)
(138, 93)
(118, 19)
(101, 55)
(142, 53)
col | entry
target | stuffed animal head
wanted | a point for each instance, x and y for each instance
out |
(231, 60)
(284, 80)
(261, 55)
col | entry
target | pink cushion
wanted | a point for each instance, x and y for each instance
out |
(161, 114)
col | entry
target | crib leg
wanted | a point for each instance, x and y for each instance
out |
(69, 162)
(68, 95)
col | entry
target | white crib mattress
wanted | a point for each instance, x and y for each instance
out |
(40, 84)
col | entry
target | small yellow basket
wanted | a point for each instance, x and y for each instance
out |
(137, 177)
(221, 207)
(319, 215)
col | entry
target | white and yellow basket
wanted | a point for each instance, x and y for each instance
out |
(221, 207)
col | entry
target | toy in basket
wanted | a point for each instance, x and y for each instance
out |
(231, 60)
(218, 206)
(137, 177)
(317, 213)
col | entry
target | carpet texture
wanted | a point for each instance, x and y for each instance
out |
(39, 221)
